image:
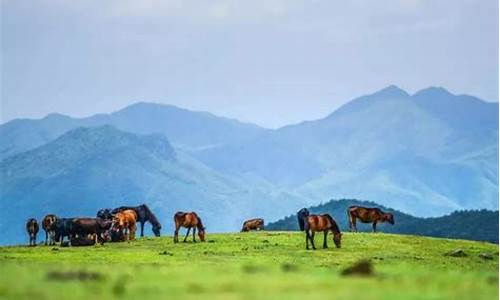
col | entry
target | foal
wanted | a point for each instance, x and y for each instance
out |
(188, 220)
(325, 223)
(126, 221)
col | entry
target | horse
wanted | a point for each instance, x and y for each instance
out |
(367, 215)
(105, 214)
(253, 224)
(325, 223)
(91, 226)
(47, 223)
(188, 220)
(84, 240)
(301, 214)
(116, 235)
(144, 214)
(126, 221)
(63, 227)
(32, 229)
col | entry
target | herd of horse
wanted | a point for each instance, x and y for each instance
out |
(120, 224)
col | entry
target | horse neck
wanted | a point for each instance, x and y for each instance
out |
(150, 216)
(200, 224)
(334, 227)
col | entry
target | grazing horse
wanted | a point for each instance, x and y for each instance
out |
(126, 221)
(91, 226)
(367, 215)
(188, 220)
(144, 214)
(301, 214)
(47, 223)
(253, 224)
(32, 228)
(325, 223)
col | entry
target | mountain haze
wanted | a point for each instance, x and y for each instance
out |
(427, 154)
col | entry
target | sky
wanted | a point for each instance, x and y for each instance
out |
(270, 62)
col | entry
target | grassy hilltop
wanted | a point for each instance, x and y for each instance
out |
(262, 265)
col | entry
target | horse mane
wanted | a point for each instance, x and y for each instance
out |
(334, 227)
(151, 216)
(301, 214)
(200, 224)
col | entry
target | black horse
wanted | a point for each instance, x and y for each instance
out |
(144, 214)
(301, 214)
(105, 214)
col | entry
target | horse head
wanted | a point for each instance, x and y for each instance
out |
(105, 214)
(301, 214)
(201, 233)
(118, 221)
(337, 239)
(388, 217)
(156, 229)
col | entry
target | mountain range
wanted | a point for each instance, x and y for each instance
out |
(427, 154)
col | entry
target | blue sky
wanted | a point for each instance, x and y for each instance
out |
(265, 61)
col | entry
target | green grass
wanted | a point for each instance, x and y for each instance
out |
(262, 265)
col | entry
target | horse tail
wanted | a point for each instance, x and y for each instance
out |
(334, 225)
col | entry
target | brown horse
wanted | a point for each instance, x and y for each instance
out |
(253, 224)
(32, 229)
(367, 215)
(126, 221)
(325, 223)
(47, 225)
(188, 220)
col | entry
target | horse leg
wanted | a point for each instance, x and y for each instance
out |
(307, 240)
(132, 229)
(46, 238)
(325, 235)
(176, 234)
(142, 229)
(374, 226)
(187, 233)
(312, 239)
(194, 235)
(354, 224)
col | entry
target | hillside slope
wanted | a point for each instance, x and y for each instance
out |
(264, 265)
(87, 169)
(479, 225)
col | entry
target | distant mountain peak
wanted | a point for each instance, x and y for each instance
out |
(392, 91)
(433, 91)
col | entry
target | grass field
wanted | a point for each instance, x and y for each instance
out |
(260, 265)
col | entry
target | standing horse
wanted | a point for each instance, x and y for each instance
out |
(105, 214)
(325, 223)
(367, 215)
(253, 224)
(188, 220)
(126, 221)
(301, 214)
(144, 214)
(47, 225)
(32, 229)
